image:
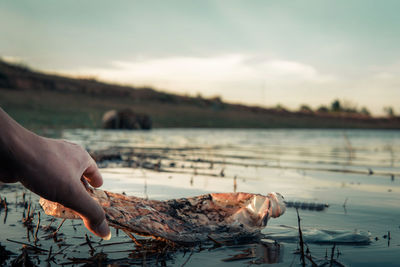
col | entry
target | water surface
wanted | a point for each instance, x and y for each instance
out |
(356, 172)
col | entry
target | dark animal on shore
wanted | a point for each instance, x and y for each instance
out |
(218, 216)
(126, 119)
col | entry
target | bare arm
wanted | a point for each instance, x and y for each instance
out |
(53, 169)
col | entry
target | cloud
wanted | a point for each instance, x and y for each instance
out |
(206, 74)
(254, 79)
(289, 72)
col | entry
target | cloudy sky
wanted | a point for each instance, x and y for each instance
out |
(255, 52)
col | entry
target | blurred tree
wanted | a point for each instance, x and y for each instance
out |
(365, 111)
(323, 109)
(349, 106)
(280, 107)
(389, 111)
(217, 99)
(217, 103)
(305, 108)
(335, 106)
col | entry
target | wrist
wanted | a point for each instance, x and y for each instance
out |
(15, 148)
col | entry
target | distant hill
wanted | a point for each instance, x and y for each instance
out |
(39, 100)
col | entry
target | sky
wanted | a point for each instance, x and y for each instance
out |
(255, 52)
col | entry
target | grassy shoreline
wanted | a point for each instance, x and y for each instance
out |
(40, 101)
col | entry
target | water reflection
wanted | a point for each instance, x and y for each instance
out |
(266, 252)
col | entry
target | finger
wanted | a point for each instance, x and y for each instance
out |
(93, 175)
(85, 183)
(90, 211)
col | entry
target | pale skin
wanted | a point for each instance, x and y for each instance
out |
(57, 170)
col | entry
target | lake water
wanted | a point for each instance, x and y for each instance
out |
(356, 172)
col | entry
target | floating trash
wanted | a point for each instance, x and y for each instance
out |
(218, 216)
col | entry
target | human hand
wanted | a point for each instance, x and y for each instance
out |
(57, 170)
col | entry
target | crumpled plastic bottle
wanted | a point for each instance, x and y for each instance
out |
(221, 216)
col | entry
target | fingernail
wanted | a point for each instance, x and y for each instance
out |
(104, 231)
(108, 237)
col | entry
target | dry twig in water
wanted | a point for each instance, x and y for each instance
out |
(303, 262)
(332, 254)
(133, 238)
(28, 245)
(188, 258)
(37, 229)
(92, 250)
